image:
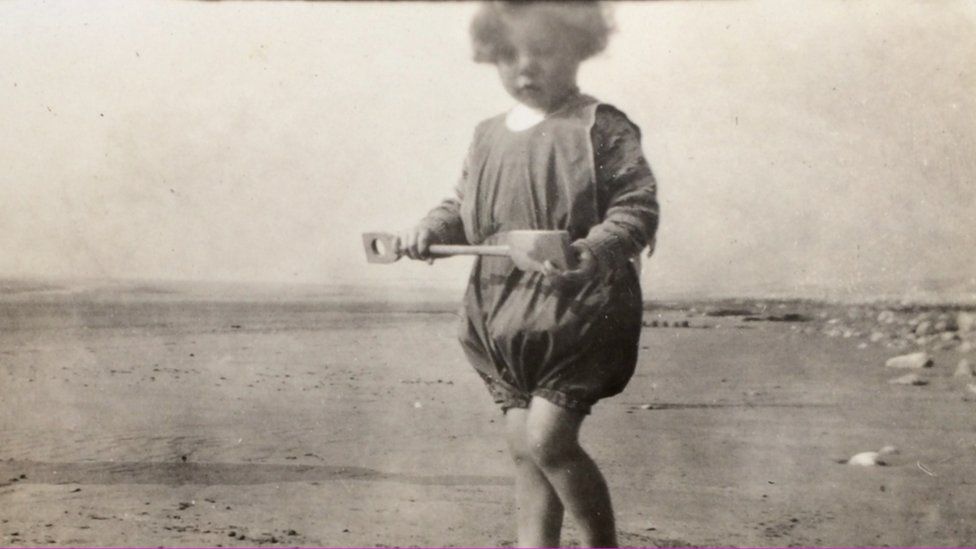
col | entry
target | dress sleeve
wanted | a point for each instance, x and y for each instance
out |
(626, 191)
(444, 221)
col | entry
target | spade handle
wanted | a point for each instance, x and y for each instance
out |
(453, 249)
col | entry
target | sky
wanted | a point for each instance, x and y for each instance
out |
(799, 146)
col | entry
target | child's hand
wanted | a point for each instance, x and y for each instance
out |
(415, 243)
(587, 268)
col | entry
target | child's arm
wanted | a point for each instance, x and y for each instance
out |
(626, 190)
(442, 225)
(444, 221)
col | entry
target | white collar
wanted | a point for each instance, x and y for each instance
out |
(521, 117)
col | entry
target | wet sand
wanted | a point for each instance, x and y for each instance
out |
(142, 418)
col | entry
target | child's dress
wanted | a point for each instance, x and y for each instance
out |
(580, 170)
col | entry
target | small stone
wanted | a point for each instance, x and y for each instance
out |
(908, 379)
(966, 321)
(947, 324)
(964, 369)
(646, 406)
(949, 336)
(886, 317)
(869, 459)
(911, 360)
(866, 459)
(292, 533)
(965, 347)
(920, 318)
(876, 337)
(924, 328)
(972, 388)
(862, 345)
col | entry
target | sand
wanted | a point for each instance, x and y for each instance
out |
(144, 417)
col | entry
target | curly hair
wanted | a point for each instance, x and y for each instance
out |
(585, 26)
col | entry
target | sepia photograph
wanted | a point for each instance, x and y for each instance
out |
(660, 273)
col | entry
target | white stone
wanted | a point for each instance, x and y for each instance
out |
(965, 347)
(964, 369)
(911, 360)
(876, 337)
(966, 321)
(886, 317)
(924, 328)
(870, 459)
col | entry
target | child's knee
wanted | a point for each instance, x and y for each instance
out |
(518, 447)
(549, 451)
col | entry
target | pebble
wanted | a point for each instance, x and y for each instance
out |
(971, 387)
(911, 360)
(869, 459)
(964, 369)
(886, 317)
(924, 328)
(876, 337)
(909, 379)
(965, 347)
(946, 325)
(866, 459)
(966, 321)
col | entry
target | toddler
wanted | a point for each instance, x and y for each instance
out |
(550, 344)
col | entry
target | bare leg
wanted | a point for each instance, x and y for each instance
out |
(539, 513)
(553, 439)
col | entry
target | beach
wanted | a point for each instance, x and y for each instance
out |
(152, 416)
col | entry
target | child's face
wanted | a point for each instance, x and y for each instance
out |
(538, 68)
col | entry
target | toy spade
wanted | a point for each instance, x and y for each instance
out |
(527, 249)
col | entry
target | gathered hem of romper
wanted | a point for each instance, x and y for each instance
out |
(558, 398)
